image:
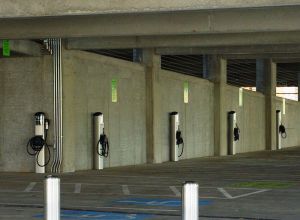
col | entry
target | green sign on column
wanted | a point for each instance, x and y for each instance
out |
(5, 48)
(114, 92)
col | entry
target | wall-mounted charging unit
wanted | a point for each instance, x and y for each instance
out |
(37, 145)
(278, 136)
(280, 130)
(101, 149)
(233, 133)
(176, 137)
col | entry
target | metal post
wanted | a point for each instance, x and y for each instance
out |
(40, 131)
(231, 125)
(278, 135)
(52, 198)
(98, 130)
(174, 127)
(190, 203)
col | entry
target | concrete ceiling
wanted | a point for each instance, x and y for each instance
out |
(183, 23)
(53, 8)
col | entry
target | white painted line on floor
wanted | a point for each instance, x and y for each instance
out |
(77, 188)
(249, 194)
(225, 193)
(125, 190)
(175, 191)
(30, 187)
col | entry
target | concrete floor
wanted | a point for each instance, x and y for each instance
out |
(261, 185)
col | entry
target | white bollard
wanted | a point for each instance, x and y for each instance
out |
(190, 201)
(52, 198)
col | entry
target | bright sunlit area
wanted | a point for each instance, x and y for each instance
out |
(283, 92)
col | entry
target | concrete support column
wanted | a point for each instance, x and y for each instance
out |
(205, 64)
(270, 72)
(137, 55)
(152, 64)
(218, 74)
(260, 76)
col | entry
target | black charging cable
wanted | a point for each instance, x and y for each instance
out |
(179, 141)
(36, 144)
(282, 131)
(103, 141)
(236, 133)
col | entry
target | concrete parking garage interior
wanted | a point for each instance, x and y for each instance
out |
(136, 62)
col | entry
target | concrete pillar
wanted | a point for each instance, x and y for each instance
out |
(205, 64)
(270, 71)
(137, 55)
(152, 63)
(260, 76)
(218, 74)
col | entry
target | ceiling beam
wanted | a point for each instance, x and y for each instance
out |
(19, 8)
(274, 19)
(276, 57)
(188, 43)
(25, 47)
(232, 50)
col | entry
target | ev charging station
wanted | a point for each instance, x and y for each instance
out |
(280, 130)
(38, 143)
(100, 141)
(40, 131)
(278, 135)
(233, 133)
(176, 137)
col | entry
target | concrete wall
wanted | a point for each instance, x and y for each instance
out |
(196, 117)
(250, 118)
(291, 121)
(26, 87)
(87, 89)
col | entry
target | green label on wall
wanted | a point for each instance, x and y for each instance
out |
(186, 92)
(114, 91)
(241, 97)
(5, 48)
(283, 106)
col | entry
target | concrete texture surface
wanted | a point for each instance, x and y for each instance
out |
(250, 118)
(19, 8)
(290, 120)
(255, 20)
(196, 117)
(26, 88)
(261, 185)
(87, 89)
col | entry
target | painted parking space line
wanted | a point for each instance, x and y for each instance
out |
(225, 193)
(125, 190)
(170, 192)
(158, 202)
(176, 192)
(228, 196)
(30, 187)
(252, 193)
